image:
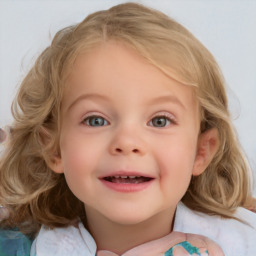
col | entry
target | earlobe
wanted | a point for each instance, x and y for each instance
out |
(208, 144)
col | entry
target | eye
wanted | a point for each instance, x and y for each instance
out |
(160, 121)
(95, 121)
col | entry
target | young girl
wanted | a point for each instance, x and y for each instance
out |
(123, 145)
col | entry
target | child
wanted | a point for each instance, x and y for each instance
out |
(122, 145)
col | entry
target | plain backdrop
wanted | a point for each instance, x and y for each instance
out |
(226, 27)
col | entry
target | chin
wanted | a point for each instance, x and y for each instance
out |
(128, 221)
(130, 218)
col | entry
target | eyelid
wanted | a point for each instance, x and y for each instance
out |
(94, 113)
(171, 119)
(165, 114)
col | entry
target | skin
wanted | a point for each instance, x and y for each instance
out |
(159, 247)
(130, 97)
(2, 135)
(251, 204)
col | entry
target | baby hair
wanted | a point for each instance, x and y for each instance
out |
(35, 195)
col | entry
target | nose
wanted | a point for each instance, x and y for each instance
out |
(127, 141)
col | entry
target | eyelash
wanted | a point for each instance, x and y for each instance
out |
(167, 117)
(86, 120)
(168, 120)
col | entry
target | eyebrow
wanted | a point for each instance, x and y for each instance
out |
(87, 96)
(158, 100)
(167, 98)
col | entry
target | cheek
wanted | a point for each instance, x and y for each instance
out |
(177, 160)
(78, 168)
(73, 161)
(81, 153)
(74, 153)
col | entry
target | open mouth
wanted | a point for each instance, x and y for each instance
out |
(127, 179)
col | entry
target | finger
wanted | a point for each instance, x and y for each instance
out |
(197, 240)
(213, 248)
(159, 246)
(178, 250)
(202, 242)
(204, 252)
(106, 253)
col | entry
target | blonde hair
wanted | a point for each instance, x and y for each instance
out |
(35, 195)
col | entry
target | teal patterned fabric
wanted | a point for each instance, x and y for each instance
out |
(187, 246)
(14, 243)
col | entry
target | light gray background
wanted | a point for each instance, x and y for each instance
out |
(226, 27)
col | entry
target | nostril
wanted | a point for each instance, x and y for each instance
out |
(119, 150)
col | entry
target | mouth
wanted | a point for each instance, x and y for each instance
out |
(127, 182)
(127, 179)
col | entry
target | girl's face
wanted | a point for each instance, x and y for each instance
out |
(129, 135)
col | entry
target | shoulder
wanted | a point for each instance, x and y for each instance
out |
(66, 241)
(235, 237)
(13, 242)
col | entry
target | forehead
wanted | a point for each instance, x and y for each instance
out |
(114, 69)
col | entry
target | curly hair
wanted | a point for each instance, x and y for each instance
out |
(35, 195)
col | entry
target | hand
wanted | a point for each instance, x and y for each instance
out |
(174, 244)
(195, 245)
(4, 214)
(251, 204)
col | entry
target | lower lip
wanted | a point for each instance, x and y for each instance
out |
(127, 187)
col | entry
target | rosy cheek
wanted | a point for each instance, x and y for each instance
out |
(72, 160)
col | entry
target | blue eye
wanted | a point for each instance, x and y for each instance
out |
(95, 121)
(160, 121)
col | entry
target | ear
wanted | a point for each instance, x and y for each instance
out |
(55, 163)
(51, 155)
(208, 144)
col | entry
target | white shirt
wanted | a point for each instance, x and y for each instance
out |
(234, 237)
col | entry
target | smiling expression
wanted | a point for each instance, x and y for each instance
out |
(128, 135)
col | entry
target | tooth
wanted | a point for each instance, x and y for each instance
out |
(124, 177)
(132, 177)
(117, 177)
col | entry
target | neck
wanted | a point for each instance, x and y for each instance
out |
(119, 238)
